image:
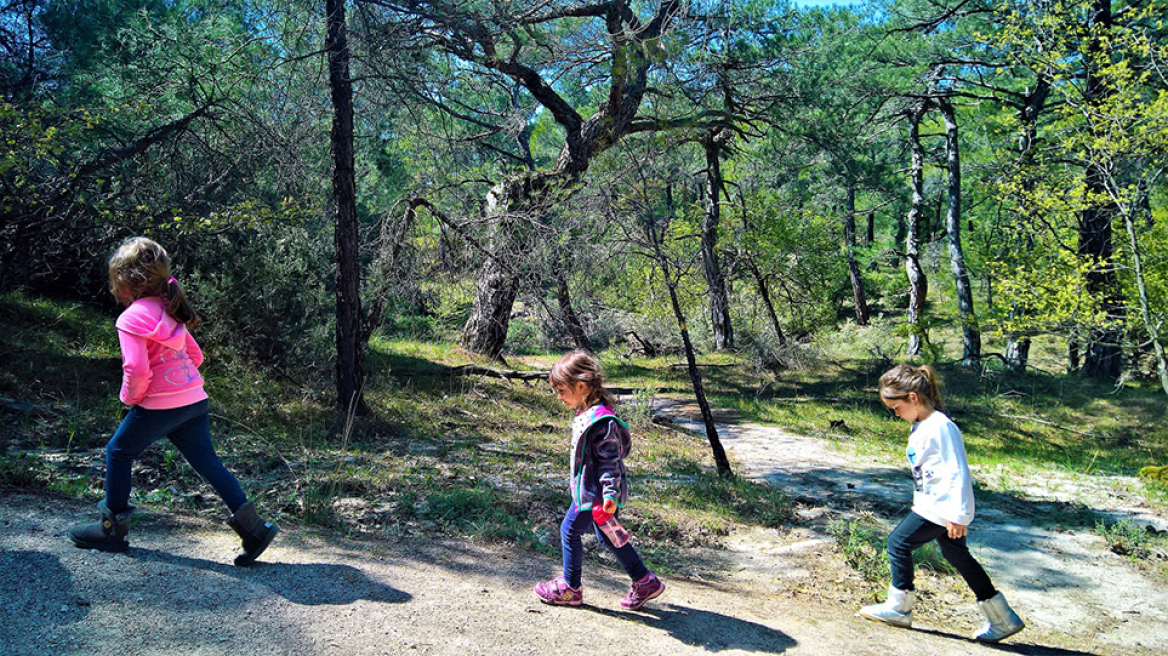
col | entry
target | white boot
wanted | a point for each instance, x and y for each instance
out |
(896, 610)
(1001, 620)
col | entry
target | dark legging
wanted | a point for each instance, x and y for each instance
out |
(572, 530)
(189, 429)
(914, 532)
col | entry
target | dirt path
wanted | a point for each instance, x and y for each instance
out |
(318, 593)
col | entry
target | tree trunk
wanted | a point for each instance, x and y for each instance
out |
(765, 294)
(1103, 357)
(655, 235)
(1018, 345)
(1145, 305)
(715, 280)
(918, 285)
(695, 375)
(349, 377)
(971, 335)
(486, 329)
(858, 297)
(567, 312)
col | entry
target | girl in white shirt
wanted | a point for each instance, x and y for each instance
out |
(942, 505)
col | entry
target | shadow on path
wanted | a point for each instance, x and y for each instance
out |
(1012, 647)
(706, 629)
(307, 584)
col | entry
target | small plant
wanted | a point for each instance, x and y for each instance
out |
(863, 547)
(862, 542)
(1129, 539)
(20, 469)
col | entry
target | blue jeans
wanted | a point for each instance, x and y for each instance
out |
(572, 530)
(914, 532)
(189, 429)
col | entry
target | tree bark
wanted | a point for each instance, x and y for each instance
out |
(971, 335)
(715, 280)
(859, 299)
(349, 377)
(918, 284)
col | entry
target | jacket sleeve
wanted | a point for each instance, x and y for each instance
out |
(606, 446)
(136, 371)
(193, 351)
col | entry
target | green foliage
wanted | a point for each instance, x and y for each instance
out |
(21, 469)
(1134, 542)
(862, 542)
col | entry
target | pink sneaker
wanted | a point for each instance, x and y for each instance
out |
(557, 592)
(642, 591)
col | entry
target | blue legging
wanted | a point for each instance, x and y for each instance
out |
(914, 532)
(189, 429)
(572, 530)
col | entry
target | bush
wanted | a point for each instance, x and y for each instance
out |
(266, 294)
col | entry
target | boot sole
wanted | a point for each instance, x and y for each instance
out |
(885, 620)
(100, 546)
(243, 560)
(1000, 638)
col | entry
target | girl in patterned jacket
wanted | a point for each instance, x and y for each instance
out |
(162, 386)
(598, 484)
(942, 505)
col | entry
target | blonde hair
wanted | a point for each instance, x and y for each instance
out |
(141, 268)
(902, 380)
(580, 367)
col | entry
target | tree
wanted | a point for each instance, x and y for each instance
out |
(349, 345)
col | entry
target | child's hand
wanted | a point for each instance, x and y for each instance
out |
(603, 512)
(956, 530)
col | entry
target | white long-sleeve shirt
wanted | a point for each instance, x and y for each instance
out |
(942, 483)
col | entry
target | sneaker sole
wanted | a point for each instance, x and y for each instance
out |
(646, 600)
(579, 602)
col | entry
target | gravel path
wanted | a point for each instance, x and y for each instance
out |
(176, 592)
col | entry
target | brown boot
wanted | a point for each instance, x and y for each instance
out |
(108, 534)
(256, 533)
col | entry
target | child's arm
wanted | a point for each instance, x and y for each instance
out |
(136, 373)
(193, 351)
(606, 443)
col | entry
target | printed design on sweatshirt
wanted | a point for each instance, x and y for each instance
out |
(183, 371)
(918, 473)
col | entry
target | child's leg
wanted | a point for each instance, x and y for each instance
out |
(628, 557)
(913, 532)
(957, 553)
(193, 439)
(571, 530)
(137, 432)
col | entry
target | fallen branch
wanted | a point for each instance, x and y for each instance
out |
(507, 374)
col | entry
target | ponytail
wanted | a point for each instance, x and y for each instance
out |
(177, 306)
(902, 380)
(141, 268)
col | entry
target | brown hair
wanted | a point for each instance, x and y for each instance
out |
(901, 380)
(580, 367)
(140, 268)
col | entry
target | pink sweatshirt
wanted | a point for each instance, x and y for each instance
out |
(160, 359)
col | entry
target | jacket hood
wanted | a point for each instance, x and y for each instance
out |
(147, 317)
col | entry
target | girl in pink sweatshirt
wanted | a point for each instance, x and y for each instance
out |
(162, 386)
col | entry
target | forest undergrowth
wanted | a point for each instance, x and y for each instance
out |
(484, 458)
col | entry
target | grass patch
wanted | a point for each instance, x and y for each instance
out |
(862, 542)
(486, 458)
(1136, 543)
